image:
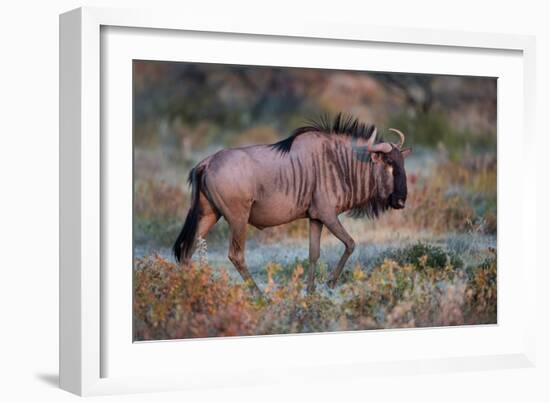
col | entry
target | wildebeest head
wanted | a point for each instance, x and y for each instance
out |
(389, 170)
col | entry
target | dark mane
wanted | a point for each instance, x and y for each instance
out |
(371, 209)
(345, 125)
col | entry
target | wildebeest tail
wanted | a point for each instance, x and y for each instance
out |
(183, 247)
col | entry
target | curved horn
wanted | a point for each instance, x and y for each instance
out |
(401, 135)
(375, 148)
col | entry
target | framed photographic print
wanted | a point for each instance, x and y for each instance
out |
(241, 203)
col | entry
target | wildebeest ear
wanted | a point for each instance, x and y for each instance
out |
(406, 152)
(376, 157)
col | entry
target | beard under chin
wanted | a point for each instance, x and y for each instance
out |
(371, 209)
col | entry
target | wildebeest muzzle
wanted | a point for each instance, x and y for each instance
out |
(397, 202)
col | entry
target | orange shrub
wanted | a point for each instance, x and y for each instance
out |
(173, 302)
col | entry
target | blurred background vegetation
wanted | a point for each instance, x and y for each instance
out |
(184, 112)
(187, 106)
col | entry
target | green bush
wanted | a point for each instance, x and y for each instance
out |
(435, 257)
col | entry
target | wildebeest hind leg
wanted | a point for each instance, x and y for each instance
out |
(208, 218)
(236, 254)
(206, 222)
(335, 226)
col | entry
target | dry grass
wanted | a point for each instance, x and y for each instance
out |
(159, 201)
(452, 197)
(173, 302)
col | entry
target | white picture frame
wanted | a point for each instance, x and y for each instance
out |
(84, 306)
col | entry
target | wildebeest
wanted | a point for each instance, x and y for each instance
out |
(320, 171)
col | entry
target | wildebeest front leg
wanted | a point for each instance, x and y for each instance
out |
(236, 255)
(315, 228)
(335, 226)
